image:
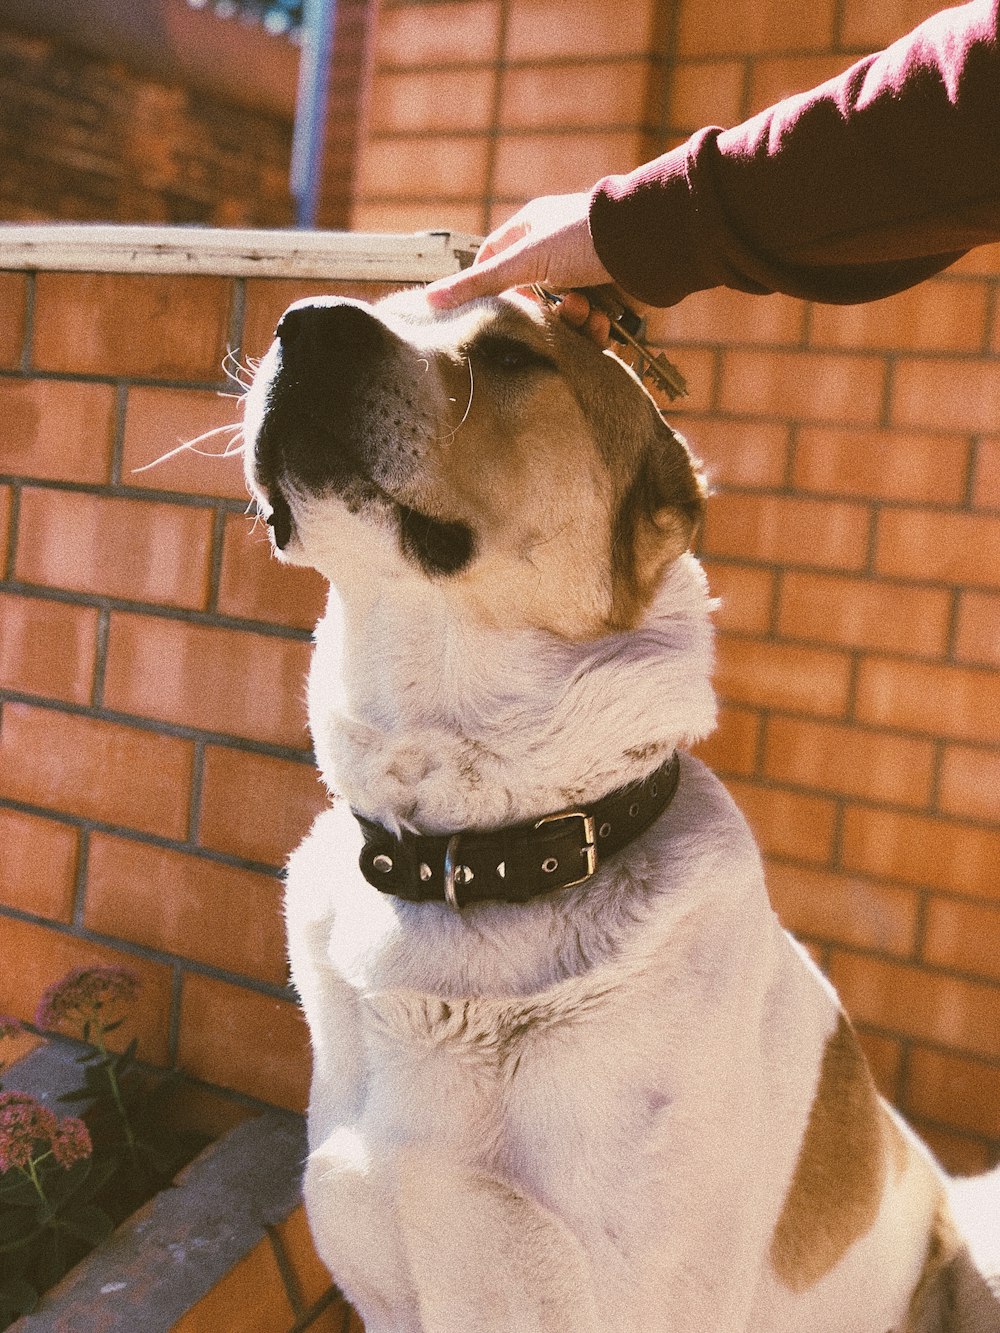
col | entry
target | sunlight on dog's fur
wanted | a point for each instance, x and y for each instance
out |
(629, 1105)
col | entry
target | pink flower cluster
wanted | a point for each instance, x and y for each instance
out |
(83, 994)
(29, 1130)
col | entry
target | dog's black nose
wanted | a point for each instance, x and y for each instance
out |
(329, 325)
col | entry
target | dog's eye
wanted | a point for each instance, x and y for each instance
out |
(509, 354)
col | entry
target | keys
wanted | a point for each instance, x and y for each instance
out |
(626, 329)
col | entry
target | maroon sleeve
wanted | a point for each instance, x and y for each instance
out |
(864, 186)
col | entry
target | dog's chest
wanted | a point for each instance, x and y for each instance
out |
(540, 1090)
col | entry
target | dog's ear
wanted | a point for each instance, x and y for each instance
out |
(657, 521)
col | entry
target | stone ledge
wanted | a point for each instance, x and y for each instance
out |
(329, 255)
(226, 1247)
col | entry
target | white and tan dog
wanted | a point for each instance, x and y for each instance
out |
(628, 1106)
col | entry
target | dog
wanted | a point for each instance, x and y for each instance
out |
(570, 1074)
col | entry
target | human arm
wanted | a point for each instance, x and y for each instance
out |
(861, 187)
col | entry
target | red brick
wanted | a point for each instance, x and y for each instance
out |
(958, 702)
(47, 648)
(440, 166)
(314, 1280)
(244, 1040)
(922, 850)
(867, 27)
(433, 101)
(437, 35)
(963, 936)
(970, 782)
(705, 92)
(425, 215)
(268, 298)
(560, 96)
(959, 1154)
(982, 262)
(254, 585)
(946, 394)
(777, 77)
(730, 318)
(978, 635)
(158, 420)
(530, 164)
(986, 486)
(186, 905)
(96, 769)
(746, 594)
(883, 464)
(885, 1060)
(43, 956)
(256, 806)
(135, 549)
(13, 304)
(251, 1297)
(808, 386)
(786, 823)
(57, 430)
(843, 909)
(918, 1003)
(932, 317)
(864, 613)
(788, 530)
(955, 1091)
(128, 324)
(777, 675)
(895, 770)
(933, 546)
(739, 453)
(714, 27)
(537, 31)
(732, 747)
(38, 869)
(218, 680)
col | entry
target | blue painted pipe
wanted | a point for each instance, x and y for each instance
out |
(316, 55)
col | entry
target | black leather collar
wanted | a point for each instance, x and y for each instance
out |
(518, 863)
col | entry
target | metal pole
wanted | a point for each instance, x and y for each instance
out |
(316, 54)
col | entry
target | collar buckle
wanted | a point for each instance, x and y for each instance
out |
(589, 848)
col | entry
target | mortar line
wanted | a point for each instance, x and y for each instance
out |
(29, 324)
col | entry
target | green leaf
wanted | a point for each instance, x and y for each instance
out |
(17, 1297)
(89, 1223)
(80, 1095)
(16, 1191)
(20, 1241)
(15, 1227)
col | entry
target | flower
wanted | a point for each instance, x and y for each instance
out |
(29, 1130)
(83, 994)
(24, 1125)
(71, 1142)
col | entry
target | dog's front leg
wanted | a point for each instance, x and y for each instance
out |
(484, 1258)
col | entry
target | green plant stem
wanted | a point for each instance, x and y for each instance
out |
(32, 1173)
(109, 1069)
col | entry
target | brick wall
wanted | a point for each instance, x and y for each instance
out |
(91, 135)
(854, 535)
(154, 764)
(83, 137)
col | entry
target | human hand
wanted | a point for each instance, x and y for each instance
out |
(547, 242)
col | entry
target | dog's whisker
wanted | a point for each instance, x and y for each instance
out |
(446, 439)
(192, 446)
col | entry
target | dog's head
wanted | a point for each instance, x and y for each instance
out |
(492, 452)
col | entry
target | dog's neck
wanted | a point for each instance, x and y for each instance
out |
(425, 723)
